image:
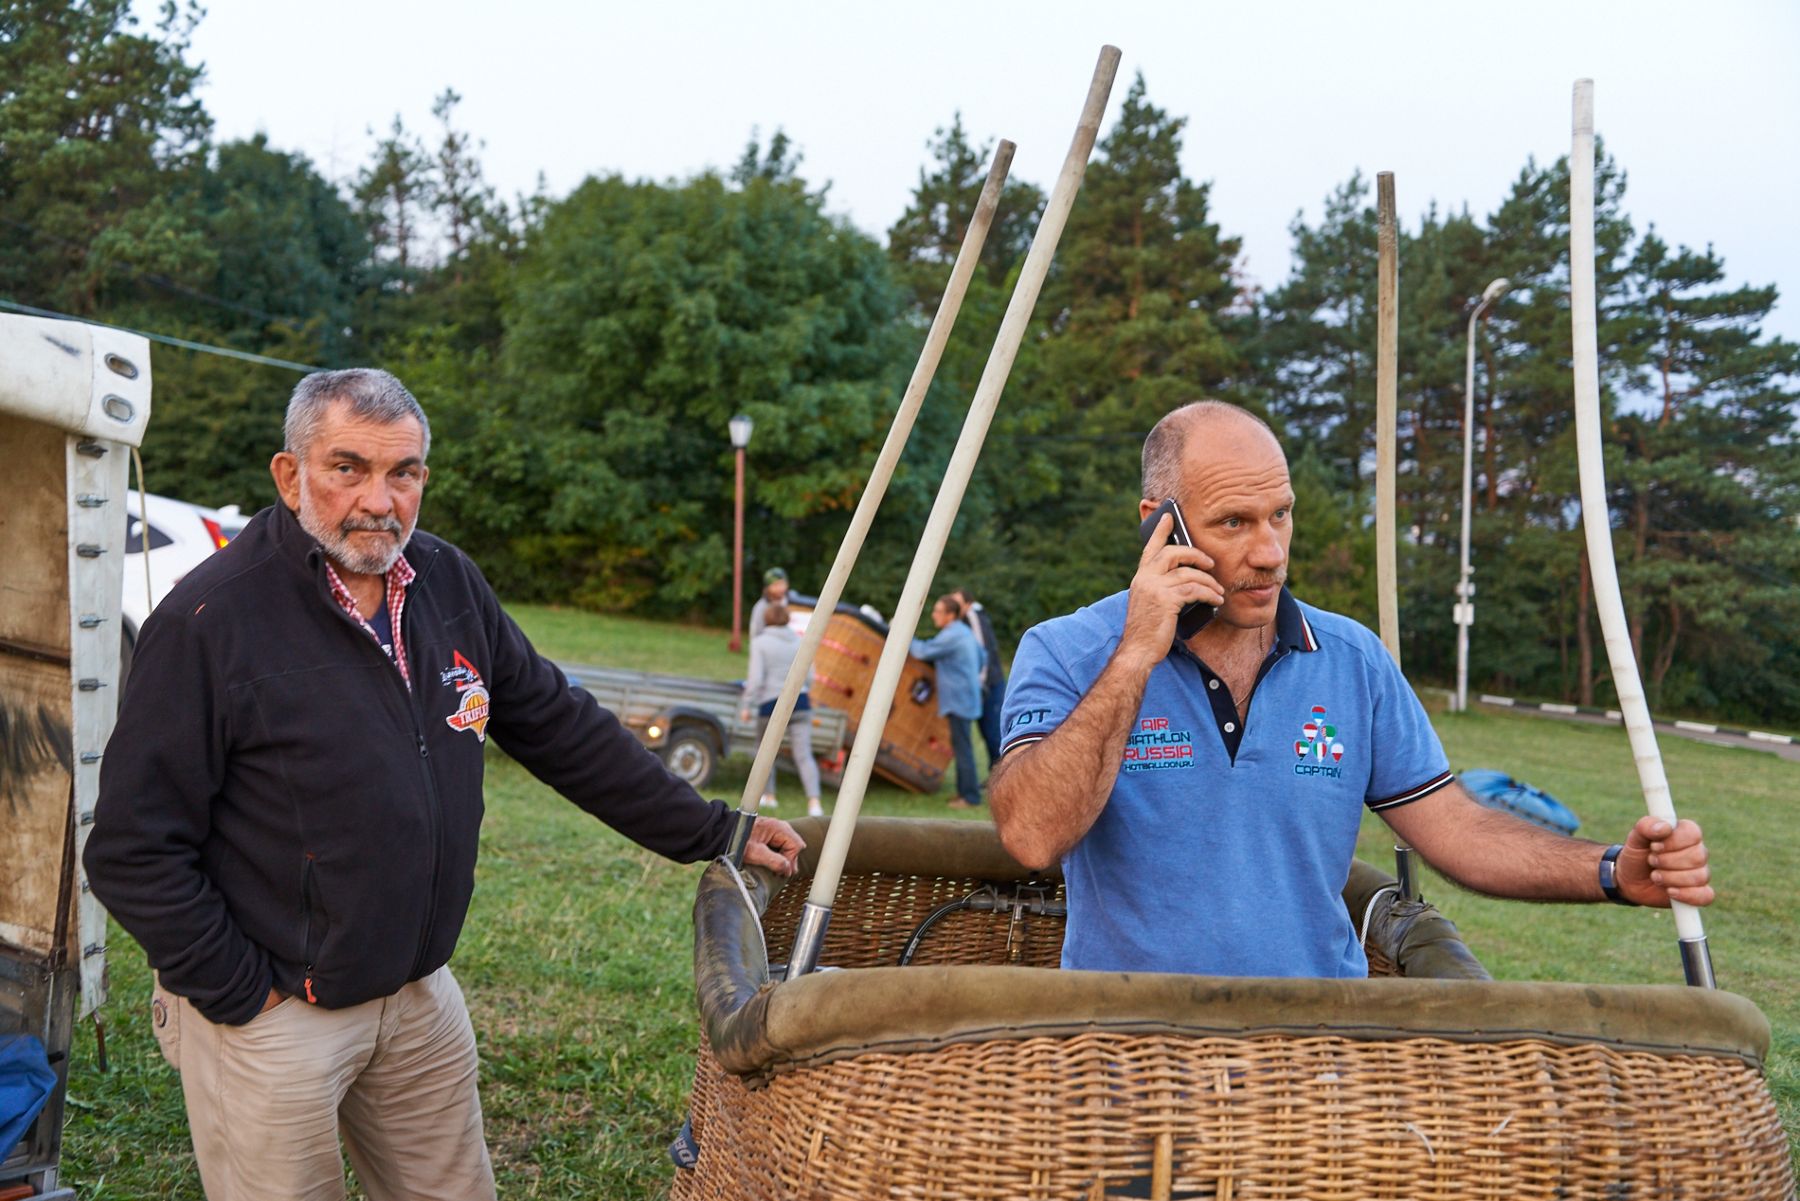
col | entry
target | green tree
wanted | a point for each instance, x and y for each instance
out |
(644, 316)
(101, 136)
(481, 243)
(1139, 304)
(1709, 488)
(925, 240)
(288, 248)
(1142, 312)
(394, 193)
(922, 246)
(1317, 342)
(289, 264)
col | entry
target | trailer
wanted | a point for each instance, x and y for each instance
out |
(74, 400)
(693, 724)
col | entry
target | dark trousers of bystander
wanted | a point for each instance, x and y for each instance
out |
(993, 699)
(962, 747)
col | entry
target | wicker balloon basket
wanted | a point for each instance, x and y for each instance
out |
(975, 1072)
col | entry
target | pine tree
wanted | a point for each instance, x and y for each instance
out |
(393, 193)
(1142, 312)
(1318, 334)
(1709, 487)
(925, 240)
(101, 138)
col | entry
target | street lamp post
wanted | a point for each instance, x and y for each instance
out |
(740, 426)
(1465, 587)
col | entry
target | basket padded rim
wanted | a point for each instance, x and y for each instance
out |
(919, 847)
(756, 1027)
(831, 1015)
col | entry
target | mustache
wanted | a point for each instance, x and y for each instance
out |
(1275, 580)
(379, 525)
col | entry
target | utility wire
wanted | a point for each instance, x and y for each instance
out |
(158, 279)
(202, 347)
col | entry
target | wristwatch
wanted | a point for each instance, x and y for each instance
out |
(1609, 875)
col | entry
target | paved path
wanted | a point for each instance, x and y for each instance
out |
(1752, 740)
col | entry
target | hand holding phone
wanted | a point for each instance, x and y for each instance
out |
(1193, 616)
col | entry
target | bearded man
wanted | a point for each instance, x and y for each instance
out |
(289, 811)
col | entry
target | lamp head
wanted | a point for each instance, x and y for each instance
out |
(1495, 290)
(740, 430)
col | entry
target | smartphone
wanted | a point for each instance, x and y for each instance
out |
(1193, 616)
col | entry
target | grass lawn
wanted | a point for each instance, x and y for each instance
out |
(577, 954)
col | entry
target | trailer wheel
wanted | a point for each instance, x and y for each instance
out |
(691, 754)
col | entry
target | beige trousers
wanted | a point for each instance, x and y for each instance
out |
(267, 1101)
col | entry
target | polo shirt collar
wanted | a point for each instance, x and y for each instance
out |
(1292, 630)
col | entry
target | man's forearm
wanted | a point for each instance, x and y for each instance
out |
(1046, 796)
(1498, 854)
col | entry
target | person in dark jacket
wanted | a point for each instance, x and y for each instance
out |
(958, 658)
(289, 811)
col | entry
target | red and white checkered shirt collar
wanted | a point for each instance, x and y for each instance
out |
(398, 577)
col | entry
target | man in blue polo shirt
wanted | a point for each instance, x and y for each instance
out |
(1235, 764)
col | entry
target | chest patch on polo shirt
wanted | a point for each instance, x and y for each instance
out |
(471, 697)
(1318, 750)
(1154, 746)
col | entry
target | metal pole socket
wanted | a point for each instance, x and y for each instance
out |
(1696, 963)
(739, 842)
(809, 937)
(1406, 867)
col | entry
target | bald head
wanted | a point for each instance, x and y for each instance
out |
(1199, 427)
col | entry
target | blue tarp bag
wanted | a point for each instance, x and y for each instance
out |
(25, 1084)
(1497, 790)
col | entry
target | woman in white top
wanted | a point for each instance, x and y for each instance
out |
(772, 654)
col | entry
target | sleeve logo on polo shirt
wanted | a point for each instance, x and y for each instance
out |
(472, 703)
(1153, 746)
(1318, 742)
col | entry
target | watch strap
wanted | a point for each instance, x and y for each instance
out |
(1609, 874)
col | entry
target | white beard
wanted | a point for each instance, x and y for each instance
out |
(336, 541)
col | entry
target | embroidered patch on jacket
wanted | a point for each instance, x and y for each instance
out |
(1153, 746)
(472, 697)
(1318, 749)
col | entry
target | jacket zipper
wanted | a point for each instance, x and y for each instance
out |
(414, 707)
(432, 807)
(306, 908)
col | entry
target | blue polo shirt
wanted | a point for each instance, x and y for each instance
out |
(1223, 849)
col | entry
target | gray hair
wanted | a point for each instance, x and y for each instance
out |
(370, 392)
(1163, 448)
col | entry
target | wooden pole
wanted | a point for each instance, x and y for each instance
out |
(1387, 388)
(967, 257)
(816, 914)
(1387, 407)
(1696, 959)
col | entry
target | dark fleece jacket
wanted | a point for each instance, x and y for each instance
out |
(277, 808)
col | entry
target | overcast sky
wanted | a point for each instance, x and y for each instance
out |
(1699, 101)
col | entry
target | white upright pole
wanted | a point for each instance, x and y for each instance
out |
(816, 914)
(1465, 607)
(1696, 959)
(967, 257)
